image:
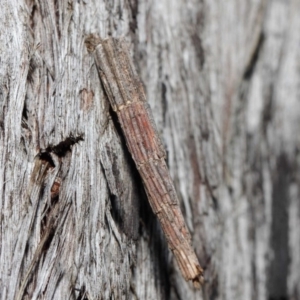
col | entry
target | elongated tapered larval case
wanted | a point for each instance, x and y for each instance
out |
(126, 95)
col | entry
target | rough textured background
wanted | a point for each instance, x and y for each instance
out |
(223, 80)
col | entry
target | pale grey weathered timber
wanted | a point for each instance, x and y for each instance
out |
(222, 80)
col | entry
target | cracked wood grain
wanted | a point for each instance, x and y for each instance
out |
(126, 95)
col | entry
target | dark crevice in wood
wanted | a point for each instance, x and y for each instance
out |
(120, 11)
(57, 15)
(254, 272)
(123, 216)
(279, 265)
(205, 134)
(32, 67)
(255, 192)
(118, 128)
(157, 244)
(70, 5)
(25, 112)
(164, 101)
(198, 49)
(4, 101)
(254, 58)
(46, 157)
(134, 12)
(32, 15)
(82, 293)
(59, 279)
(116, 211)
(212, 290)
(49, 239)
(268, 110)
(63, 147)
(214, 199)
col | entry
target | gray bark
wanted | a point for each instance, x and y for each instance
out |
(222, 78)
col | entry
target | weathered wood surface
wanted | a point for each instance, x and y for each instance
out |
(223, 81)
